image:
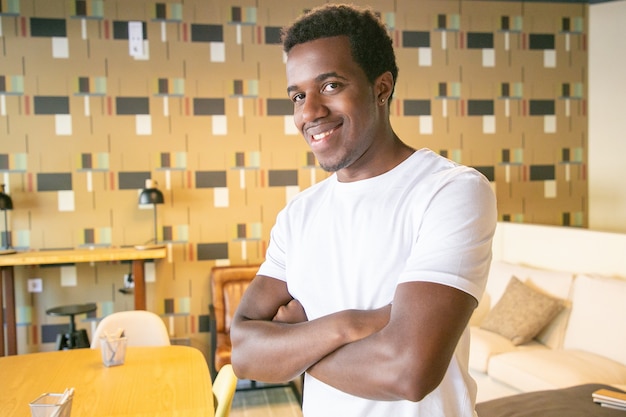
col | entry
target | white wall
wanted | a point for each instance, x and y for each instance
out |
(561, 248)
(607, 116)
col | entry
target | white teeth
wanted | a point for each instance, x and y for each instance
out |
(321, 136)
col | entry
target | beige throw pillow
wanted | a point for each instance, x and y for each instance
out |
(521, 312)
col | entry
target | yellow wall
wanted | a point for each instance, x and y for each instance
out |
(84, 123)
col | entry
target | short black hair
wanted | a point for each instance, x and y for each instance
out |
(370, 43)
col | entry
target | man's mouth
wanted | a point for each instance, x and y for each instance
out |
(323, 135)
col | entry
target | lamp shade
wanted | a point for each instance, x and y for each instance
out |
(5, 204)
(151, 194)
(5, 200)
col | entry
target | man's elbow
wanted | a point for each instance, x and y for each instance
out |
(415, 384)
(237, 357)
(414, 392)
(240, 366)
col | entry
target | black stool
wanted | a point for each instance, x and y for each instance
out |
(74, 338)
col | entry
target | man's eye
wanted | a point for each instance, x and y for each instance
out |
(330, 87)
(297, 97)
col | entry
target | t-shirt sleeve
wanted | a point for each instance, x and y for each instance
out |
(274, 264)
(453, 245)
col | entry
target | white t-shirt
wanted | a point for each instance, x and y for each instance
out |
(348, 245)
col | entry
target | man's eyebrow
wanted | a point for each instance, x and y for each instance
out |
(318, 79)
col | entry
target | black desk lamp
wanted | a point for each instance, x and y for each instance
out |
(152, 195)
(6, 204)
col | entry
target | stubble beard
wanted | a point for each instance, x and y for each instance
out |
(334, 166)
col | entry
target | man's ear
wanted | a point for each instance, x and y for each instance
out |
(384, 86)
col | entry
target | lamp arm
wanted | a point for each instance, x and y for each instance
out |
(156, 241)
(6, 232)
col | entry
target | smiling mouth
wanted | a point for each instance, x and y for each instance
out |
(323, 135)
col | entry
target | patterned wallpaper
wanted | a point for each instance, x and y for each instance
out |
(96, 97)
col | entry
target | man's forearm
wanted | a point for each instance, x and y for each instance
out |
(407, 358)
(276, 352)
(350, 367)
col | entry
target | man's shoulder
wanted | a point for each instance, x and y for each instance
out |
(314, 190)
(427, 165)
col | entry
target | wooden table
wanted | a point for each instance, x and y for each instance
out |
(8, 262)
(154, 381)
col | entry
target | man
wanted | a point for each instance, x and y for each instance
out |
(371, 275)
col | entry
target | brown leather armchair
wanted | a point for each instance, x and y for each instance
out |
(228, 284)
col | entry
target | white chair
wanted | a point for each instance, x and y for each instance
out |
(141, 328)
(224, 388)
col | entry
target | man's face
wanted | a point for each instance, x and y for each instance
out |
(335, 107)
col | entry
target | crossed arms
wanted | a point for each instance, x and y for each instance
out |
(401, 351)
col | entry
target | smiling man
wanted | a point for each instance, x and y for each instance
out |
(371, 275)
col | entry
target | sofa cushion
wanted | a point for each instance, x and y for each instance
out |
(556, 283)
(533, 370)
(485, 344)
(597, 322)
(521, 312)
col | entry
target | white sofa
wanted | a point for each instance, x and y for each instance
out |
(584, 343)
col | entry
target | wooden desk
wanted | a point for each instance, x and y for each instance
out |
(154, 381)
(7, 262)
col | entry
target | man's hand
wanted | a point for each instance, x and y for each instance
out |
(293, 312)
(364, 323)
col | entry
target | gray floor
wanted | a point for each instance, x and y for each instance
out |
(268, 402)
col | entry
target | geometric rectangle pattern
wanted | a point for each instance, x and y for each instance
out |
(417, 108)
(212, 251)
(272, 35)
(541, 41)
(282, 178)
(415, 39)
(49, 332)
(54, 181)
(203, 112)
(479, 40)
(45, 27)
(210, 179)
(208, 106)
(542, 107)
(132, 105)
(480, 107)
(207, 33)
(542, 172)
(120, 30)
(133, 180)
(279, 107)
(52, 105)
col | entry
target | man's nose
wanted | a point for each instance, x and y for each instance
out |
(313, 108)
